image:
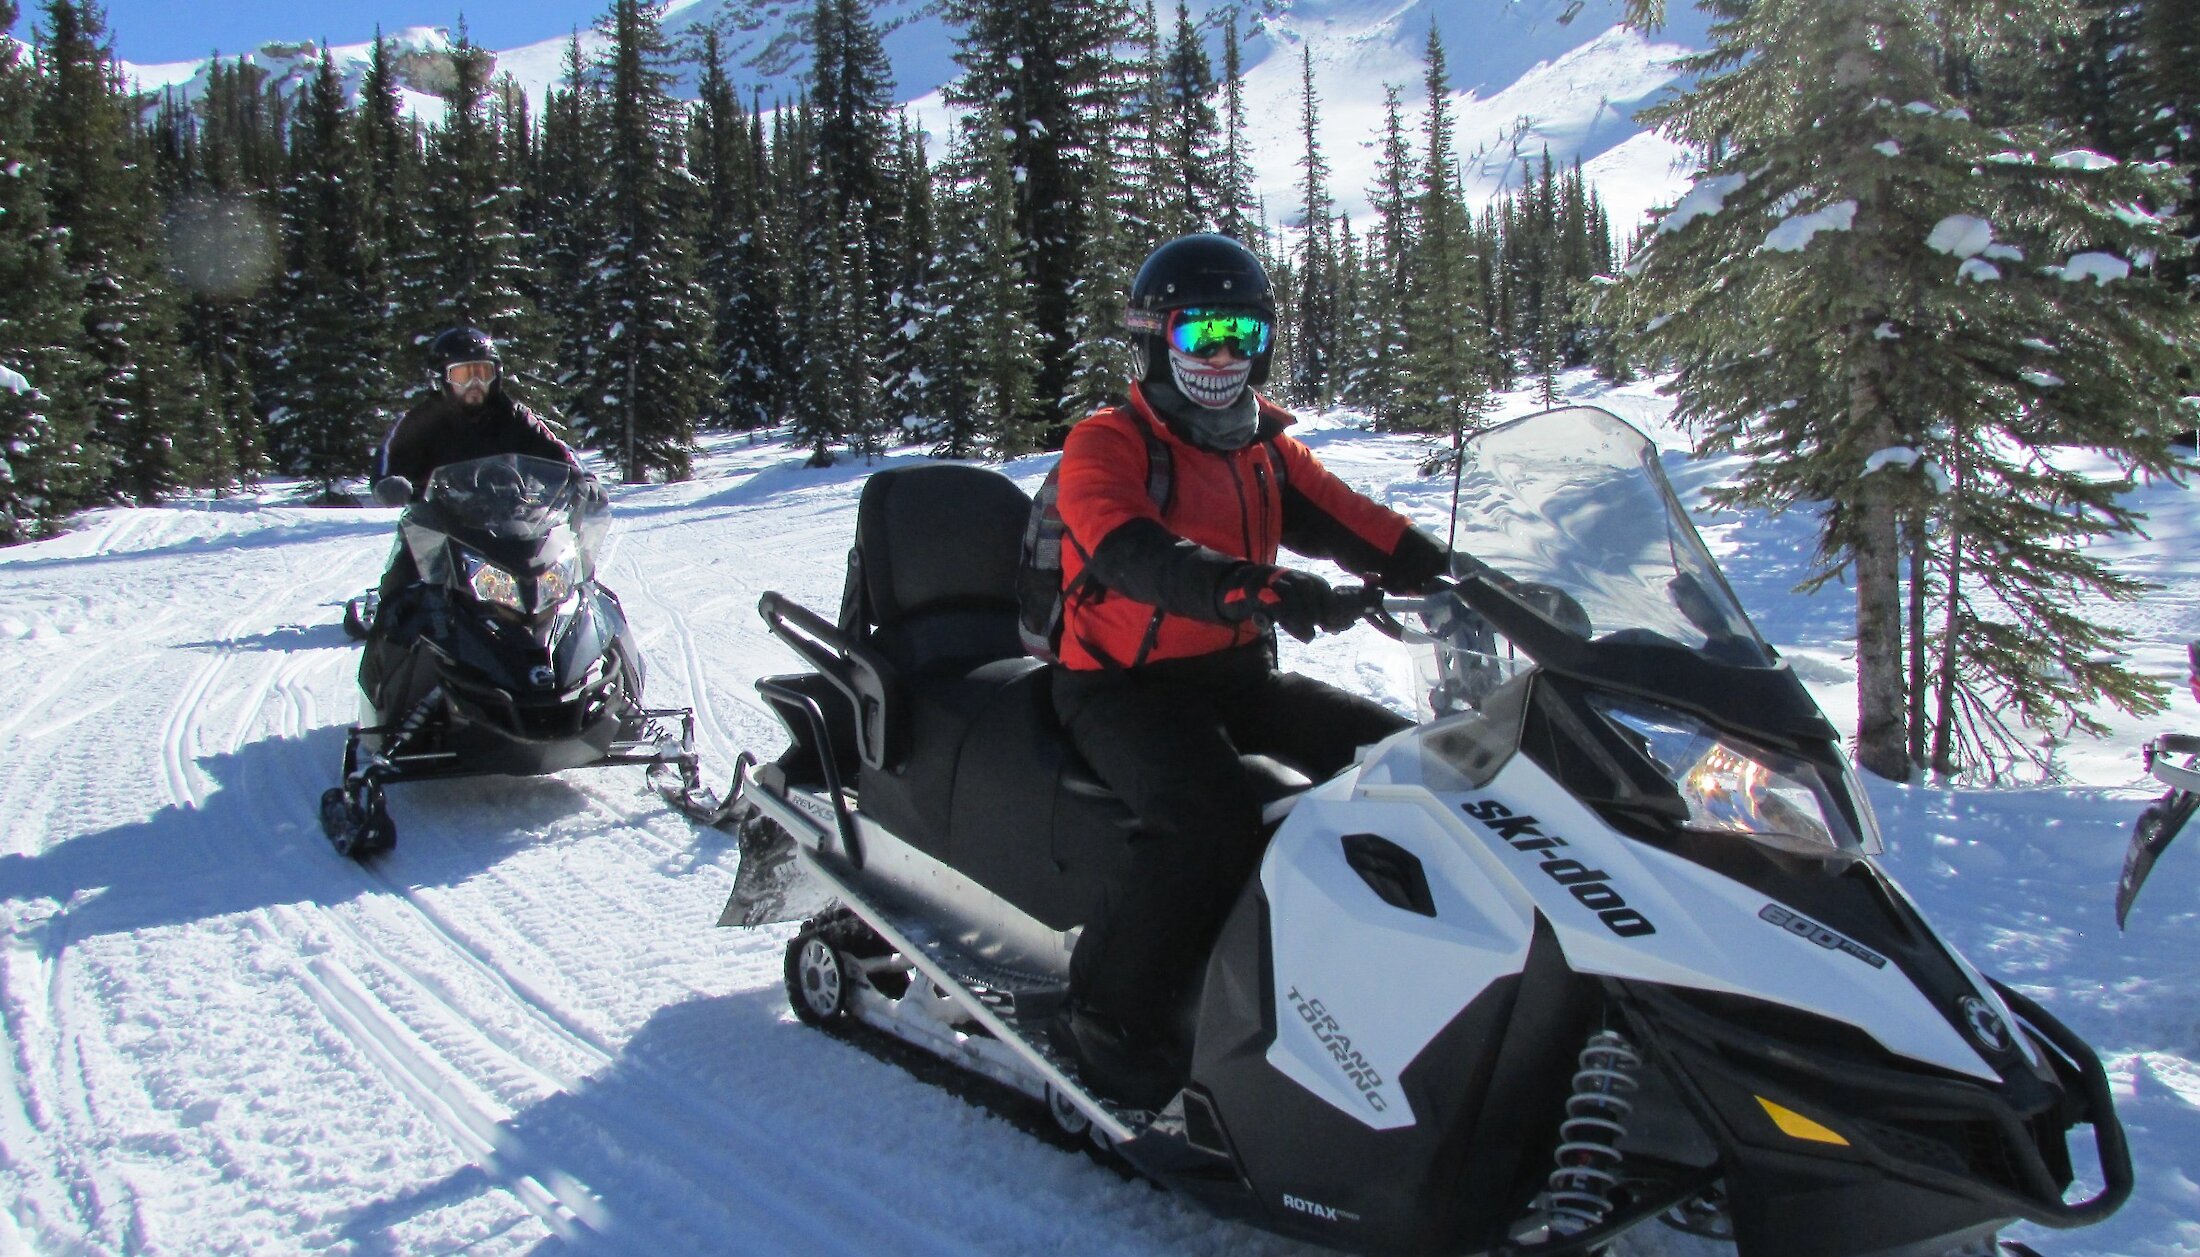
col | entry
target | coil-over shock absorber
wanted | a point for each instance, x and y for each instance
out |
(1579, 1193)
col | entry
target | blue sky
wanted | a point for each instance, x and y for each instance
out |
(153, 31)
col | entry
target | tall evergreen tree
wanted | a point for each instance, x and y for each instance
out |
(391, 159)
(153, 429)
(992, 328)
(2168, 99)
(1869, 289)
(1116, 241)
(44, 419)
(910, 361)
(469, 268)
(718, 155)
(1190, 134)
(1235, 210)
(640, 403)
(1049, 77)
(1377, 384)
(215, 166)
(1315, 322)
(1446, 370)
(569, 226)
(337, 391)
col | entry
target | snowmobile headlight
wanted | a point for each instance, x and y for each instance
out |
(1732, 787)
(555, 585)
(492, 584)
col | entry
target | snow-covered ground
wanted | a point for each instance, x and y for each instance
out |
(521, 1029)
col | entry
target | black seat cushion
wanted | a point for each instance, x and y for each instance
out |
(937, 547)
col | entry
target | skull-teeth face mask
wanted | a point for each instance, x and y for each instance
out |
(1210, 384)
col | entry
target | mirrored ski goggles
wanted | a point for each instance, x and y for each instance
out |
(1200, 332)
(462, 374)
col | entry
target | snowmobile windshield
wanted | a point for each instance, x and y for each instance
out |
(1574, 505)
(519, 498)
(1603, 577)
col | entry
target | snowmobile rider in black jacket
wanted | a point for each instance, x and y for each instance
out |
(469, 415)
(1169, 671)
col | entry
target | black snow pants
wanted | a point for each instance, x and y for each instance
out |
(1167, 738)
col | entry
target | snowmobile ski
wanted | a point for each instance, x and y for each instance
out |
(359, 614)
(2159, 824)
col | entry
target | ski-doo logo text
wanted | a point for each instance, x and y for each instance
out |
(1803, 927)
(1592, 887)
(1348, 1058)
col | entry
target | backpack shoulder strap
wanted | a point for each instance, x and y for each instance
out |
(1160, 468)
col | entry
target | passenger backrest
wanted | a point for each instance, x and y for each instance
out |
(932, 577)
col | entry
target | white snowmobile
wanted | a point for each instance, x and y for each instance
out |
(2161, 821)
(513, 660)
(1601, 940)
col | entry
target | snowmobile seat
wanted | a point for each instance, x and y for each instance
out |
(931, 597)
(957, 748)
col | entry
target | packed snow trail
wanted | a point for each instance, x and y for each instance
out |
(521, 1027)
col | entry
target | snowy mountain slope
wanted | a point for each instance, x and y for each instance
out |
(522, 1027)
(1526, 75)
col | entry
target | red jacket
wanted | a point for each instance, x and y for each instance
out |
(1156, 572)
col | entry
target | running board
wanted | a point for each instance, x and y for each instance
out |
(1013, 1006)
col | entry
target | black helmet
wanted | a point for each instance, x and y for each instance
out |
(461, 344)
(1196, 270)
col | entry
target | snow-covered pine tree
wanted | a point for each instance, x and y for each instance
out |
(1116, 241)
(1047, 77)
(1869, 291)
(1191, 136)
(955, 431)
(997, 327)
(1235, 211)
(851, 90)
(44, 424)
(469, 267)
(566, 223)
(1376, 383)
(336, 391)
(391, 158)
(1350, 344)
(1444, 389)
(718, 154)
(850, 353)
(811, 306)
(2168, 87)
(647, 380)
(754, 390)
(1313, 311)
(216, 163)
(151, 428)
(910, 359)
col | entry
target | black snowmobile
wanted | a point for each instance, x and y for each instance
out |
(1603, 939)
(512, 659)
(2162, 819)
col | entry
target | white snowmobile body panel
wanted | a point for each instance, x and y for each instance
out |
(1359, 998)
(1710, 932)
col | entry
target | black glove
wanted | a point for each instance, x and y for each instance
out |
(393, 490)
(1416, 561)
(1295, 602)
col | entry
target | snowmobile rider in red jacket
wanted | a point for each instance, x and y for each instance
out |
(1169, 666)
(469, 415)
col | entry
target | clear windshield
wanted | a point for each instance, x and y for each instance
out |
(1574, 505)
(521, 498)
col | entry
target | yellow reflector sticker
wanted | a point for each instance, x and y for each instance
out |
(1796, 1126)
